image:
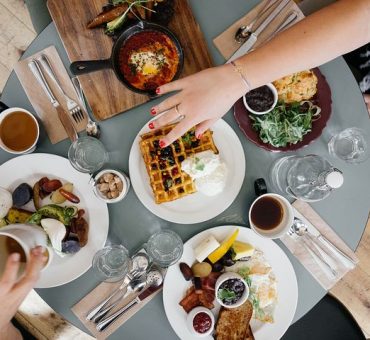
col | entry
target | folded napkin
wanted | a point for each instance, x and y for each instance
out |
(226, 43)
(97, 295)
(317, 225)
(39, 100)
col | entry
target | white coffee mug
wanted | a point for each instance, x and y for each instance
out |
(286, 222)
(9, 111)
(28, 237)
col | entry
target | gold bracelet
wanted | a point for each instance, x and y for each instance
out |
(239, 69)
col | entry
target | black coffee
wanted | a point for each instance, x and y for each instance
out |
(267, 213)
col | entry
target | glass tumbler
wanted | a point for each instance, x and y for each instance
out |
(165, 248)
(87, 154)
(112, 263)
(350, 145)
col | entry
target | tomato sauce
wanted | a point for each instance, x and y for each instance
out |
(202, 322)
(149, 59)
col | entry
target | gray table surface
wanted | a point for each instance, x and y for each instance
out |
(346, 210)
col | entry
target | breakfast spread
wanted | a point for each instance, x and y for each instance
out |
(65, 226)
(163, 165)
(235, 275)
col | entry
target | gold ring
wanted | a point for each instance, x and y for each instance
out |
(180, 116)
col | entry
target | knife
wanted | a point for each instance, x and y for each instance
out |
(63, 115)
(141, 297)
(247, 46)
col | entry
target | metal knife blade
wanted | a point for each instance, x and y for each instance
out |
(106, 322)
(246, 47)
(65, 119)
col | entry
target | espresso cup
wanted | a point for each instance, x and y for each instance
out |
(21, 238)
(5, 112)
(271, 216)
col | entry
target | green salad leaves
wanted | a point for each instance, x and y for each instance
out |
(286, 123)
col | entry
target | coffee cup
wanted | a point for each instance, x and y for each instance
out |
(21, 238)
(19, 130)
(271, 215)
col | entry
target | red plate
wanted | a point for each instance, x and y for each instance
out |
(322, 99)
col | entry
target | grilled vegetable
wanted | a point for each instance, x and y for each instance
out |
(69, 196)
(22, 195)
(16, 215)
(52, 185)
(57, 197)
(64, 215)
(108, 16)
(36, 195)
(202, 269)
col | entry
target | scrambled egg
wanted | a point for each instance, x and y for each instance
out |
(147, 63)
(297, 86)
(263, 285)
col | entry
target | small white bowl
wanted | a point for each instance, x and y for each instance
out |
(126, 186)
(274, 91)
(228, 276)
(191, 316)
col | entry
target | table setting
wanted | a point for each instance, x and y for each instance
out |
(248, 225)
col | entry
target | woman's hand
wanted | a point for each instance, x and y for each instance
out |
(367, 101)
(203, 98)
(12, 291)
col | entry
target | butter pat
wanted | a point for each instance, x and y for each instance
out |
(242, 249)
(206, 247)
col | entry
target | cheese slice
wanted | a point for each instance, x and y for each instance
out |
(206, 247)
(242, 249)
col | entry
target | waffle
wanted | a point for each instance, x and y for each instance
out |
(167, 180)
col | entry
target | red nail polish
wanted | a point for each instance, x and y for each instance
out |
(153, 111)
(151, 125)
(200, 136)
(158, 90)
(162, 144)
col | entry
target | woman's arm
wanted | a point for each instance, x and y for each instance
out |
(206, 96)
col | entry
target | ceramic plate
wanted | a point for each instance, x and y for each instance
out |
(196, 207)
(175, 286)
(322, 99)
(29, 169)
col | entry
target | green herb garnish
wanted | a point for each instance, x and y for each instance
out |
(187, 139)
(226, 294)
(244, 273)
(286, 123)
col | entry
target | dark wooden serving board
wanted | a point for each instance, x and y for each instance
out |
(106, 95)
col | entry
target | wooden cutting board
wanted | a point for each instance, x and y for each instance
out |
(106, 95)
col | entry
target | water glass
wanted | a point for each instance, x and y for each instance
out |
(112, 263)
(350, 145)
(87, 154)
(165, 248)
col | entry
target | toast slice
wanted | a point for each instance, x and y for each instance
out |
(233, 323)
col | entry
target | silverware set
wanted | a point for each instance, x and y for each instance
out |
(248, 35)
(324, 253)
(142, 277)
(74, 112)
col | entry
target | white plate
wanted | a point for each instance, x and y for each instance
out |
(197, 207)
(175, 286)
(29, 169)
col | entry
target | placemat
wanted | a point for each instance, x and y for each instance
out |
(313, 220)
(226, 43)
(40, 102)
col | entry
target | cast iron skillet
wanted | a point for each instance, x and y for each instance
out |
(88, 66)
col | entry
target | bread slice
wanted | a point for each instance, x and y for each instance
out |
(233, 323)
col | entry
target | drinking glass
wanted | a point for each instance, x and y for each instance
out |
(165, 248)
(350, 145)
(87, 154)
(112, 263)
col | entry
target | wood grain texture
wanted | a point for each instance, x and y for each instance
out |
(106, 95)
(354, 289)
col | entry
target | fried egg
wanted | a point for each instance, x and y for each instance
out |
(147, 62)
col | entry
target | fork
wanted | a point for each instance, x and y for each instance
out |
(73, 108)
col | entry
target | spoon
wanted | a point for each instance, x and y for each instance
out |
(140, 264)
(300, 229)
(154, 279)
(135, 285)
(92, 128)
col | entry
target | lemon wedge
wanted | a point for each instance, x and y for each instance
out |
(224, 247)
(242, 249)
